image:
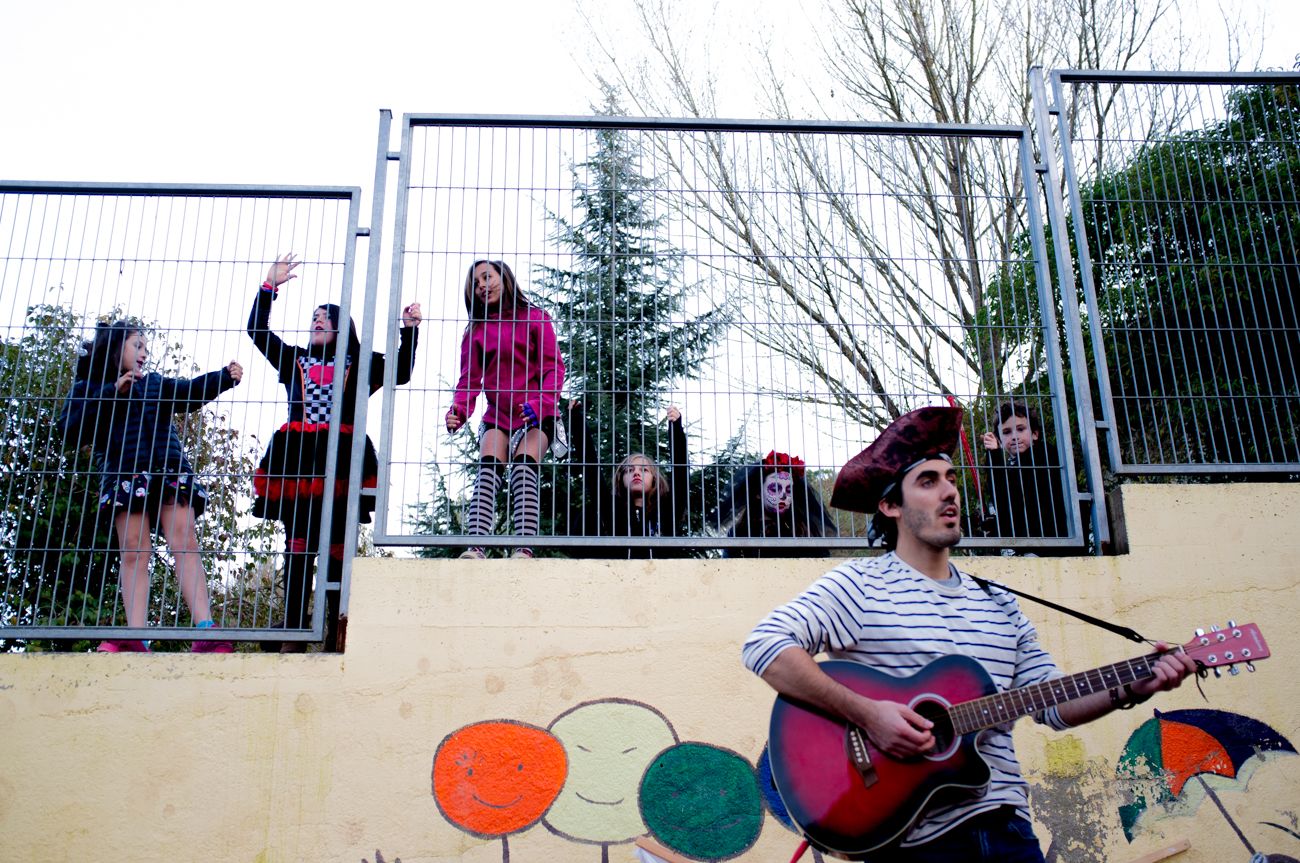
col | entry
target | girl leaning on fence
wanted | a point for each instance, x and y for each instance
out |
(124, 414)
(510, 354)
(289, 484)
(639, 500)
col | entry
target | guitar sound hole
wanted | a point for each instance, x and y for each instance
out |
(942, 730)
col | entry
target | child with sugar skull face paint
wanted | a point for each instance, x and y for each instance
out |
(778, 492)
(773, 500)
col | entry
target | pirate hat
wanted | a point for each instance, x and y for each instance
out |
(914, 437)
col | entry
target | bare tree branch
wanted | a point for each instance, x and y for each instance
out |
(883, 259)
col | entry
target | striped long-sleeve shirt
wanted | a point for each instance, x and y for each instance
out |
(885, 614)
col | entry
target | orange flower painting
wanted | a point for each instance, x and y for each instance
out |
(497, 777)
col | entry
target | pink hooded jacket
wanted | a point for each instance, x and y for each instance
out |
(514, 361)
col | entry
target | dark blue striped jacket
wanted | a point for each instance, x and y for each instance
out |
(133, 432)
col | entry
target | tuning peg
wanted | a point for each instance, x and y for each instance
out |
(1218, 672)
(1214, 629)
(1250, 666)
(1232, 624)
(1234, 670)
(1198, 632)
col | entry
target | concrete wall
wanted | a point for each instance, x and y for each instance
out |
(548, 679)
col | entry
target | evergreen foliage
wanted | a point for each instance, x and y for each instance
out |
(1195, 253)
(1193, 245)
(622, 312)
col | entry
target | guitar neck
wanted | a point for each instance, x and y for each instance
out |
(1008, 706)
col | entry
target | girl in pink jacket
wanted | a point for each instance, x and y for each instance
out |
(509, 353)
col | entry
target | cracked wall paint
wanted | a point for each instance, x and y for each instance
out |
(1074, 798)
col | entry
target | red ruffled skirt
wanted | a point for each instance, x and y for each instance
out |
(292, 472)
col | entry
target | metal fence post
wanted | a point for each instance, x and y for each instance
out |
(1070, 310)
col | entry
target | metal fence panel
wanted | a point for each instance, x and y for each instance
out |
(788, 287)
(1186, 219)
(179, 264)
(722, 298)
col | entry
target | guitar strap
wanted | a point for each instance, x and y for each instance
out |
(1130, 634)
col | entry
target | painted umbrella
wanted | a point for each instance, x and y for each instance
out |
(1171, 749)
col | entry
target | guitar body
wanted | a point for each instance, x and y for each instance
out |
(840, 811)
(850, 799)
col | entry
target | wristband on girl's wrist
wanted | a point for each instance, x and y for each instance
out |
(267, 286)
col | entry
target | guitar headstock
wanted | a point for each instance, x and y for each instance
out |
(1230, 645)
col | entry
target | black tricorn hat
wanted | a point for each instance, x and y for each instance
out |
(913, 437)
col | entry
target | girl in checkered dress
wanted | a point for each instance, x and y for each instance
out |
(124, 414)
(289, 484)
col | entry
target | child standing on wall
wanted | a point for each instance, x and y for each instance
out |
(509, 353)
(290, 481)
(1028, 498)
(124, 414)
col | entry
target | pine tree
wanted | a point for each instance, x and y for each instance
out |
(621, 308)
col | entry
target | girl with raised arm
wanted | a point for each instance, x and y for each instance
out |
(290, 481)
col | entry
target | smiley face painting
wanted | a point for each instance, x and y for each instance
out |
(609, 743)
(497, 777)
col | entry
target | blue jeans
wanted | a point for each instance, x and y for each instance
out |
(1000, 836)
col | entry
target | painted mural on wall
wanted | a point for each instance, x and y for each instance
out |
(1173, 761)
(492, 779)
(611, 743)
(602, 773)
(772, 799)
(607, 772)
(702, 801)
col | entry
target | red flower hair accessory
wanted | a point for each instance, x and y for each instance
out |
(780, 461)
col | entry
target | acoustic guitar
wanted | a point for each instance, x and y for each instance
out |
(849, 798)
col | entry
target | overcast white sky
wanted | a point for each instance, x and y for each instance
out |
(288, 91)
(261, 91)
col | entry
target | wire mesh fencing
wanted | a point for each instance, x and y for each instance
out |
(640, 338)
(1184, 199)
(137, 409)
(658, 338)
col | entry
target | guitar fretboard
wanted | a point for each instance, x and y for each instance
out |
(1007, 706)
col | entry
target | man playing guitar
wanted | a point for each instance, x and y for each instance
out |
(899, 612)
